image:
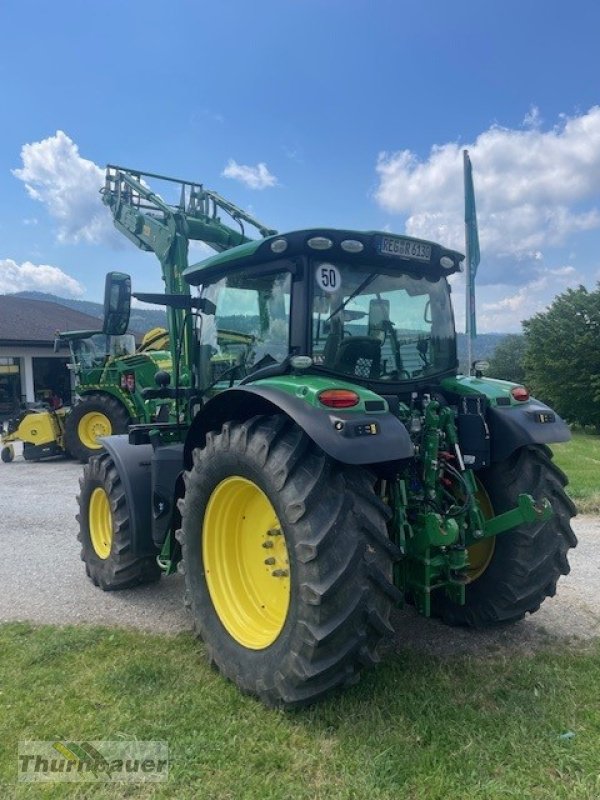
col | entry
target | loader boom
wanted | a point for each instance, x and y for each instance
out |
(153, 224)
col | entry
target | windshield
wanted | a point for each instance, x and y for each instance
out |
(90, 352)
(94, 350)
(374, 326)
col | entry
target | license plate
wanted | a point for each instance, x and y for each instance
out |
(404, 248)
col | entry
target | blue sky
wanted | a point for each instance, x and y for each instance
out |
(357, 111)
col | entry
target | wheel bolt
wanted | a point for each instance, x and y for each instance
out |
(274, 532)
(267, 544)
(270, 560)
(280, 573)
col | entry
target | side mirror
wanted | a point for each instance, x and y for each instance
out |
(379, 315)
(479, 367)
(117, 303)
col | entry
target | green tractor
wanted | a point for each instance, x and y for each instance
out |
(111, 373)
(331, 464)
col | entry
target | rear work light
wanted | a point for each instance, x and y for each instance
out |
(338, 398)
(520, 393)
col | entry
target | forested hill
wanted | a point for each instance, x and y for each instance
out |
(483, 347)
(144, 319)
(141, 320)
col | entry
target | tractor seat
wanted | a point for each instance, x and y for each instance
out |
(359, 356)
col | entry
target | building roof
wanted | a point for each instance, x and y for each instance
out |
(35, 322)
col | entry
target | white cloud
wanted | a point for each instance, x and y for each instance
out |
(257, 177)
(36, 277)
(532, 119)
(502, 307)
(69, 186)
(534, 189)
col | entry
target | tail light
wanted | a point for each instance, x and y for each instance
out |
(338, 398)
(520, 393)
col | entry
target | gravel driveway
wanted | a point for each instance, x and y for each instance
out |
(42, 578)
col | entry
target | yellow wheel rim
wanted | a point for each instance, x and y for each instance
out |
(246, 563)
(91, 426)
(100, 523)
(480, 553)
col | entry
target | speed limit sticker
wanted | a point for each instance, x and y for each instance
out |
(328, 277)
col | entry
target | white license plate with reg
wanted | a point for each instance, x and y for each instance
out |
(404, 248)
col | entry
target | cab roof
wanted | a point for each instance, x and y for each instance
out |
(379, 248)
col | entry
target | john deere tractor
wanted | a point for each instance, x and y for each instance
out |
(331, 464)
(110, 375)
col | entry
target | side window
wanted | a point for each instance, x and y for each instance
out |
(237, 310)
(250, 328)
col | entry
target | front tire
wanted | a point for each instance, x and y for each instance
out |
(527, 561)
(329, 605)
(105, 531)
(8, 454)
(95, 415)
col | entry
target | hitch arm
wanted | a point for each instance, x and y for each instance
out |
(527, 510)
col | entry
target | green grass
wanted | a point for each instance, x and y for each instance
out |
(580, 459)
(418, 727)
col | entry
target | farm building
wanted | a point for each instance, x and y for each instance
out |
(29, 368)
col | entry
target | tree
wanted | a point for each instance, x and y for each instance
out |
(562, 359)
(506, 362)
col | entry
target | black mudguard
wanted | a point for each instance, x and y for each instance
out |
(340, 434)
(134, 465)
(512, 427)
(149, 478)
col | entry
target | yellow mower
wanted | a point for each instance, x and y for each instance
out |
(40, 429)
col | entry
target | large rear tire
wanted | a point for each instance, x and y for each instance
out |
(287, 562)
(95, 415)
(105, 531)
(522, 568)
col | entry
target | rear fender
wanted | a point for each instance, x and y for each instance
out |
(340, 434)
(134, 465)
(151, 480)
(534, 422)
(508, 424)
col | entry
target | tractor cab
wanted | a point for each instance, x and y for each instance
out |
(369, 308)
(92, 349)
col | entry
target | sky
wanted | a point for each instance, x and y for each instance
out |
(337, 113)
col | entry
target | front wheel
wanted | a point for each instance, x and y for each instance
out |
(95, 415)
(512, 574)
(7, 454)
(287, 562)
(105, 531)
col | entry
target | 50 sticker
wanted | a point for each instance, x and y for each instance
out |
(328, 278)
